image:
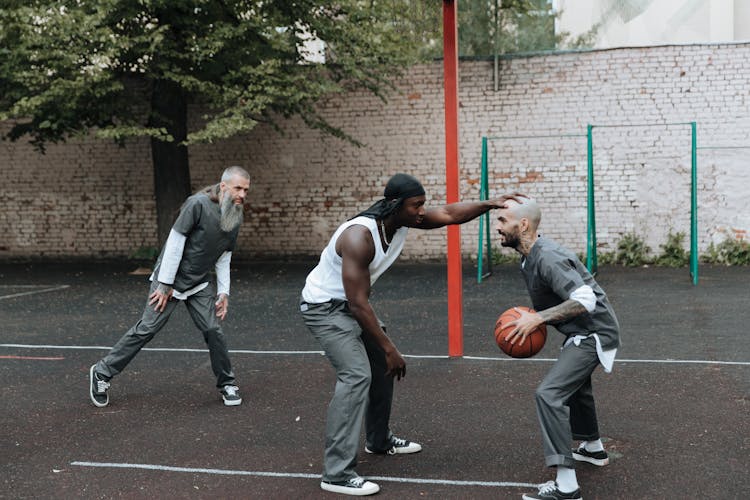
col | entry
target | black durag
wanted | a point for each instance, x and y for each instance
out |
(399, 188)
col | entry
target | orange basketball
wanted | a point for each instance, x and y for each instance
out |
(533, 343)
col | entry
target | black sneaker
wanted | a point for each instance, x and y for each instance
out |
(98, 389)
(356, 486)
(550, 491)
(599, 458)
(231, 395)
(398, 446)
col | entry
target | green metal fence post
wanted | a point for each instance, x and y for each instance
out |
(488, 228)
(694, 205)
(484, 218)
(591, 263)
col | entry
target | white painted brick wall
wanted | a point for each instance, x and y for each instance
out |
(91, 198)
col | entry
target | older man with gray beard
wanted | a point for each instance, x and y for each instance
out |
(202, 237)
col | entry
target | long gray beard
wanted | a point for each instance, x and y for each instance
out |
(231, 214)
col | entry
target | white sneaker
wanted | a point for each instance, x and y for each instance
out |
(550, 491)
(599, 458)
(98, 388)
(231, 395)
(356, 486)
(398, 446)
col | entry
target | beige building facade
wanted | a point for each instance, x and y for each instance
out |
(635, 23)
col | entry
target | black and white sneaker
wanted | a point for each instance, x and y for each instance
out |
(98, 389)
(599, 458)
(231, 395)
(550, 491)
(398, 446)
(356, 486)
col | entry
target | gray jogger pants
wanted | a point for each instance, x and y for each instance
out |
(565, 403)
(202, 309)
(363, 390)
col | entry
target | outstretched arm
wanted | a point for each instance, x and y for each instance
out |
(458, 213)
(357, 249)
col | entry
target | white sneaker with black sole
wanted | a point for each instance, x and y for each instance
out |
(598, 458)
(231, 395)
(398, 447)
(98, 389)
(356, 486)
(550, 491)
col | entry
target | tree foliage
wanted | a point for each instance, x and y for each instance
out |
(489, 27)
(127, 68)
(68, 66)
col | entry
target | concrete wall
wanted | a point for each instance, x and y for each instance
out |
(91, 198)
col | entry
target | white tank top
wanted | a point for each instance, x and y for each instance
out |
(325, 283)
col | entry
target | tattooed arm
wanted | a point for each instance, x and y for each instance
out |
(561, 312)
(529, 321)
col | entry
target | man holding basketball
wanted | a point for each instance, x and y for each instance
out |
(566, 296)
(336, 308)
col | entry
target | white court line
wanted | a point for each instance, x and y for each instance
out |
(51, 288)
(427, 356)
(157, 349)
(27, 286)
(618, 361)
(193, 470)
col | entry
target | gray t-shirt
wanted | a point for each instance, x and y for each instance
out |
(552, 273)
(199, 221)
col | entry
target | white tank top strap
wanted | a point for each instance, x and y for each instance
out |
(325, 283)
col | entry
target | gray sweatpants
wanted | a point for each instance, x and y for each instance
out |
(202, 309)
(362, 387)
(565, 403)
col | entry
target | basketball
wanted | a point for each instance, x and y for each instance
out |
(533, 343)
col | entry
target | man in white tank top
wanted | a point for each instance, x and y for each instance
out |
(336, 308)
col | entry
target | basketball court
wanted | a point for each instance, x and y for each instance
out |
(673, 414)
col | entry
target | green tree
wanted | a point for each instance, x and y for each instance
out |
(488, 27)
(128, 68)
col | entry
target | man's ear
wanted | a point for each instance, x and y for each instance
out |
(524, 224)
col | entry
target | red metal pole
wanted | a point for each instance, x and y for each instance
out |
(450, 71)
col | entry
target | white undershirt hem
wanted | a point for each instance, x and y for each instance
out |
(606, 358)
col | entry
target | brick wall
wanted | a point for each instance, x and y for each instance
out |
(84, 198)
(91, 198)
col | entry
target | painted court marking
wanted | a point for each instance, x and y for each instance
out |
(35, 358)
(618, 361)
(474, 358)
(37, 289)
(229, 472)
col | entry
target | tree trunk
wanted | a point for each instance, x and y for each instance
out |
(170, 159)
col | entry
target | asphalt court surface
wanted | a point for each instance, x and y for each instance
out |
(674, 413)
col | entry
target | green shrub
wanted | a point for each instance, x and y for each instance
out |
(673, 254)
(606, 258)
(632, 251)
(730, 252)
(500, 258)
(601, 257)
(145, 254)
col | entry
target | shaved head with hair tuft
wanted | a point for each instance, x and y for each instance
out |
(527, 209)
